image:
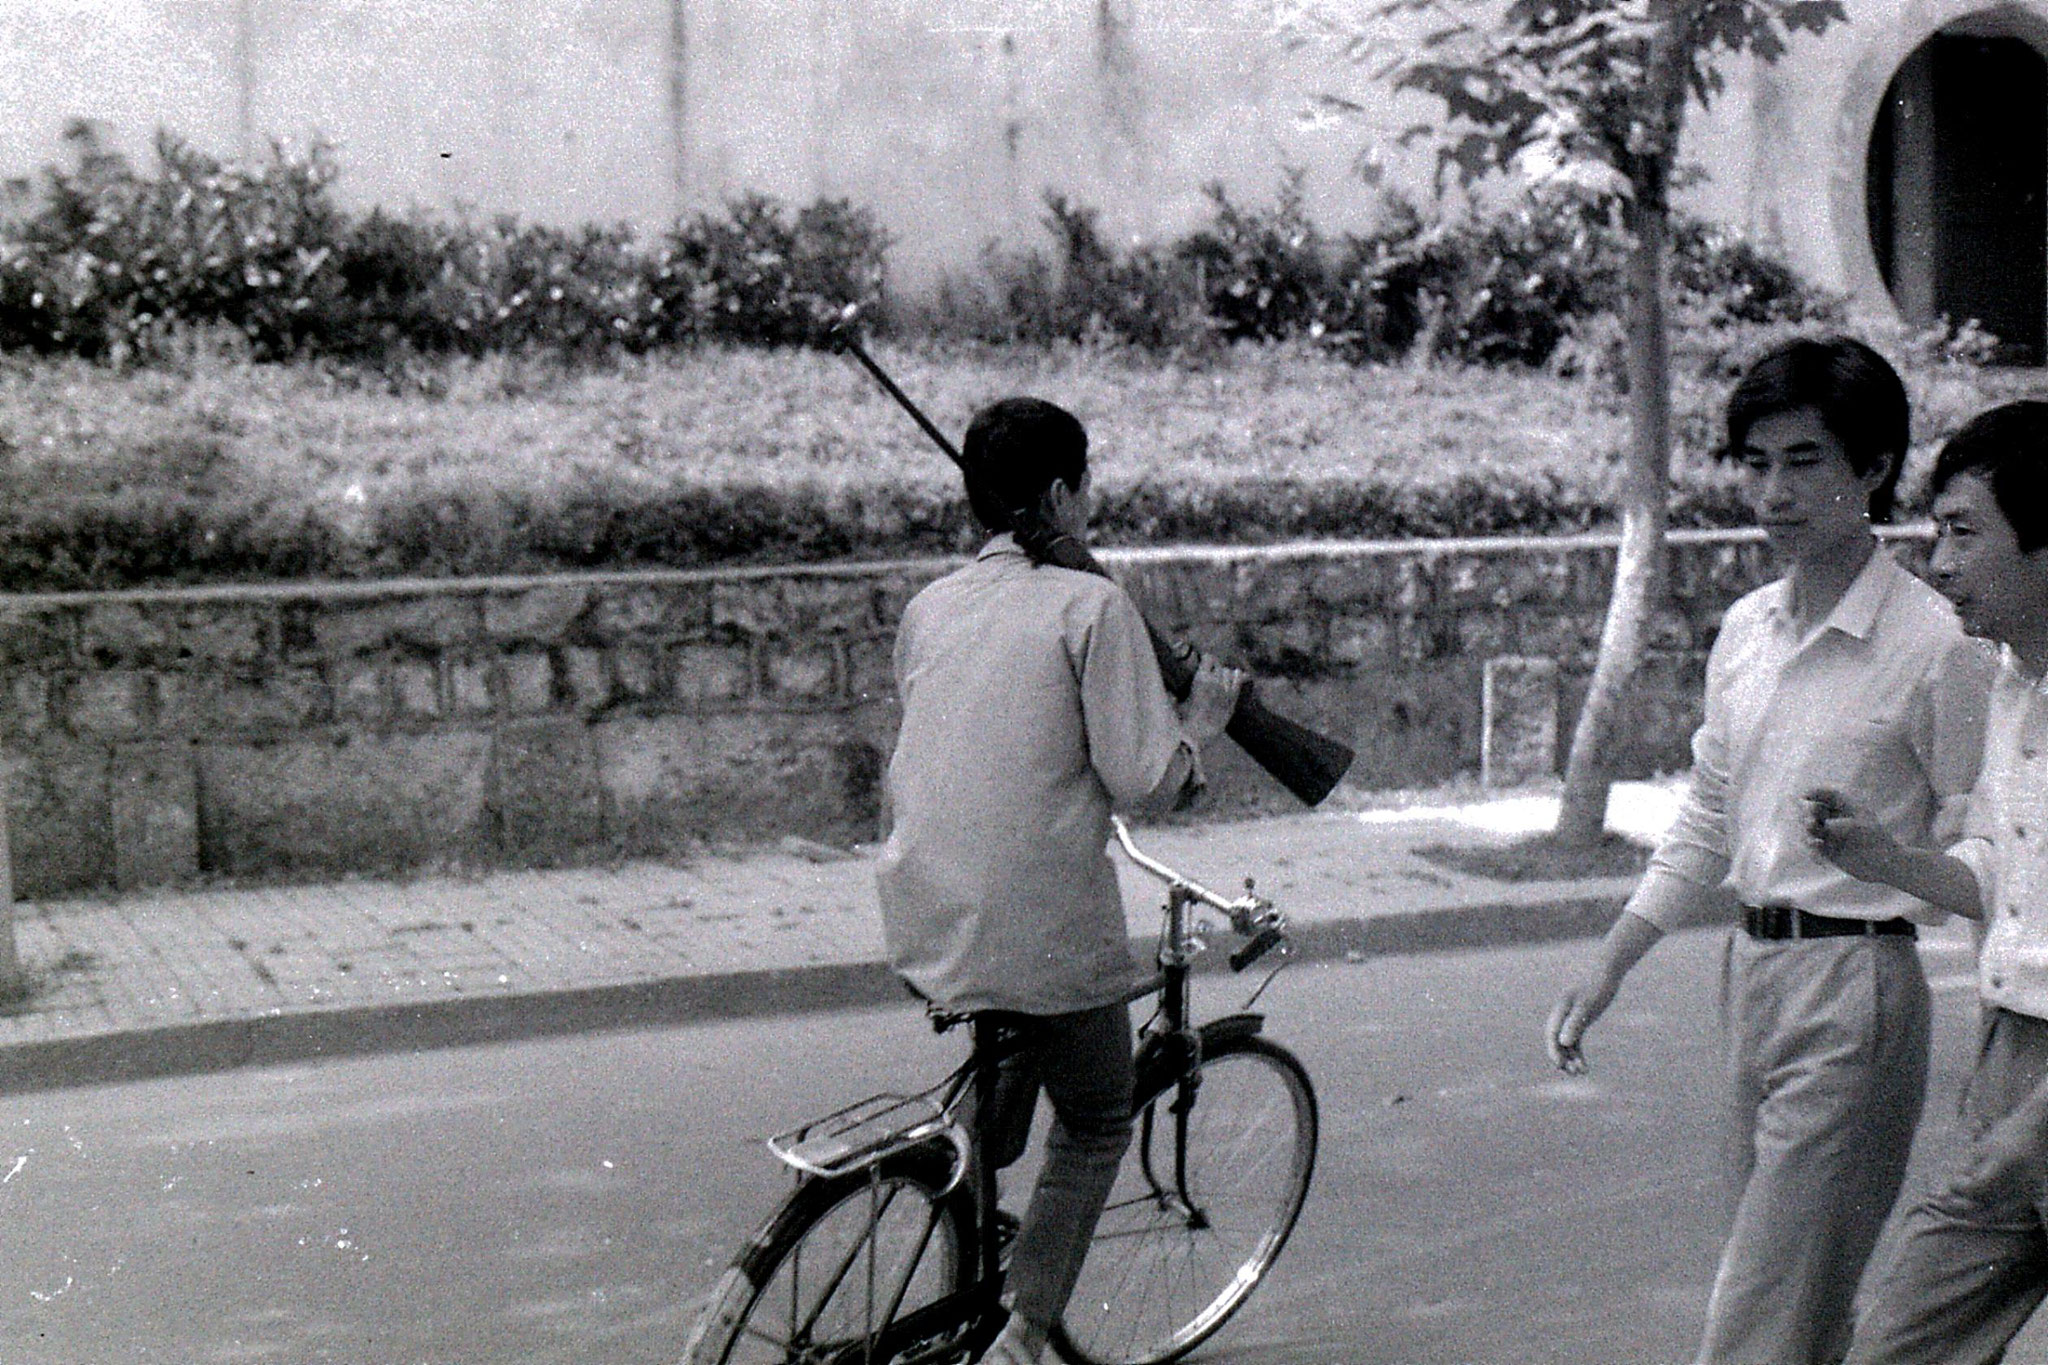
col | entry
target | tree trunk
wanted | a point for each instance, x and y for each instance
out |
(1640, 567)
(11, 981)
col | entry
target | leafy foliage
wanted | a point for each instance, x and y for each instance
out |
(116, 265)
(1535, 282)
(112, 263)
(1592, 90)
(759, 276)
(1263, 272)
(1085, 291)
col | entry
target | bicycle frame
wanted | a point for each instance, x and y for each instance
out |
(1177, 1045)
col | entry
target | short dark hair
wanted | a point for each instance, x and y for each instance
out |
(1015, 449)
(2008, 448)
(1854, 389)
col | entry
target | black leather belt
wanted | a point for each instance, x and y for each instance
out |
(1789, 921)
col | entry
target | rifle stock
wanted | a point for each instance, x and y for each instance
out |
(1308, 764)
(1305, 762)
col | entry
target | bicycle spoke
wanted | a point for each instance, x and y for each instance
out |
(838, 1277)
(924, 1242)
(847, 1261)
(1173, 1266)
(749, 1330)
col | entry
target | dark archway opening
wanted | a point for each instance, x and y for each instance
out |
(1957, 188)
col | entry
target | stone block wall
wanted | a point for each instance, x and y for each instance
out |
(316, 731)
(309, 730)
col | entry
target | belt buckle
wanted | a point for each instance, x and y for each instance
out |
(1778, 922)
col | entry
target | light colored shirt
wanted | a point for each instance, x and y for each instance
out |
(1032, 706)
(2006, 844)
(1883, 701)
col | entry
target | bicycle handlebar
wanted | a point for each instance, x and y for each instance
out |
(1253, 916)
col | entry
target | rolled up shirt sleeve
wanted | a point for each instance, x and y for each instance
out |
(1948, 734)
(1682, 884)
(1978, 854)
(1133, 728)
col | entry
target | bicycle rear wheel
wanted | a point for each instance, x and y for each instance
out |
(1175, 1255)
(842, 1260)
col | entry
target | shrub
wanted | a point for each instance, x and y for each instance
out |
(1263, 273)
(111, 264)
(758, 276)
(1513, 285)
(1084, 292)
(1537, 282)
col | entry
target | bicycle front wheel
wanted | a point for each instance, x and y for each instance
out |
(1202, 1206)
(842, 1261)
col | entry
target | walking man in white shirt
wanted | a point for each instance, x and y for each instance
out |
(1972, 1260)
(1850, 673)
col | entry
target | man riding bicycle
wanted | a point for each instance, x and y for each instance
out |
(1032, 708)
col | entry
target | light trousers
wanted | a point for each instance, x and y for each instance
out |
(1827, 1065)
(1972, 1260)
(1083, 1063)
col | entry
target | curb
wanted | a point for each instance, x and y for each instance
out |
(268, 1040)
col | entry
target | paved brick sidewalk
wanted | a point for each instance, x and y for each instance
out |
(156, 985)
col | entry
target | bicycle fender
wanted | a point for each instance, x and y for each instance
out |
(1230, 1028)
(1163, 1057)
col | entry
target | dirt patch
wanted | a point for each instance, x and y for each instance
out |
(1541, 858)
(36, 981)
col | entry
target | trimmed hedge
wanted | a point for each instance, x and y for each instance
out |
(230, 471)
(139, 539)
(502, 398)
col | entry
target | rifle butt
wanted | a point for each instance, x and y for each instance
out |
(1308, 764)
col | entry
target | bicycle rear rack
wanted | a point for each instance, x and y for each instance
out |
(871, 1130)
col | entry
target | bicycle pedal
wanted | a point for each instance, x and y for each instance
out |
(1006, 1226)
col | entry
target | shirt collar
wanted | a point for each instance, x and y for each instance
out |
(1001, 545)
(2013, 673)
(1856, 614)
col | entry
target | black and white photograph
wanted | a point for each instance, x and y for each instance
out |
(996, 682)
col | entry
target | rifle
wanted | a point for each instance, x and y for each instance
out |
(1305, 762)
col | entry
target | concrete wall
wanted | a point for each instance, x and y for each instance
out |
(296, 731)
(949, 118)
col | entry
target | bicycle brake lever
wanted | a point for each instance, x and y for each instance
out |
(1264, 942)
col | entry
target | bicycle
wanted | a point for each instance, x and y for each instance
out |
(891, 1246)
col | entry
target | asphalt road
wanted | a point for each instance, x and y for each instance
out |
(567, 1200)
